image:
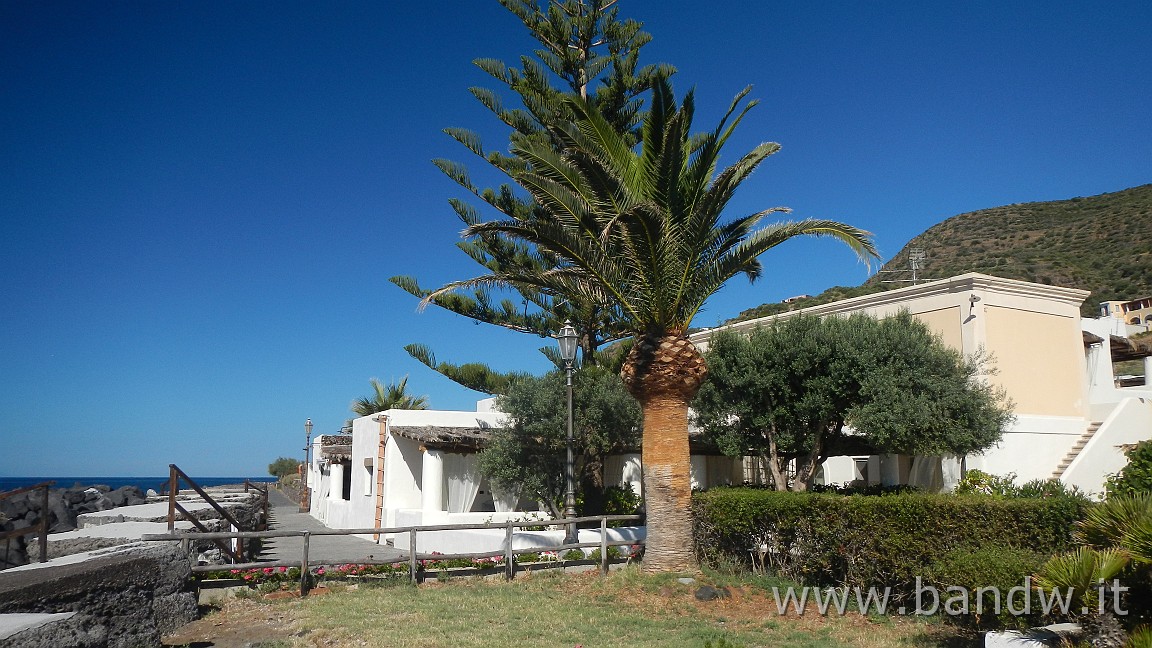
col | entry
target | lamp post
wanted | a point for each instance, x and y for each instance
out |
(305, 499)
(566, 339)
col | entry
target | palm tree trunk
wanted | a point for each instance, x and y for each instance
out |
(663, 374)
(667, 486)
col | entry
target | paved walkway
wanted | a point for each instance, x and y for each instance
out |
(285, 515)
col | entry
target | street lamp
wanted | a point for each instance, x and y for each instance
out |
(305, 500)
(566, 339)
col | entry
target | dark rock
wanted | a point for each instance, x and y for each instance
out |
(63, 518)
(128, 598)
(709, 593)
(118, 497)
(14, 507)
(13, 553)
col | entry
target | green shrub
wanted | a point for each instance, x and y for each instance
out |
(613, 553)
(1051, 487)
(888, 541)
(987, 573)
(621, 500)
(978, 482)
(1136, 477)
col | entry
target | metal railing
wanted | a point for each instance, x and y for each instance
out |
(413, 558)
(41, 528)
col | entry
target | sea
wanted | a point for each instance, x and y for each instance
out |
(143, 483)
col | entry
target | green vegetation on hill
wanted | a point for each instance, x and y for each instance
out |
(1102, 244)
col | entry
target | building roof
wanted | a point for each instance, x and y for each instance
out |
(969, 283)
(444, 437)
(336, 446)
(1124, 348)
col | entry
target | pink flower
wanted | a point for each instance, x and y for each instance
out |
(283, 569)
(268, 570)
(319, 570)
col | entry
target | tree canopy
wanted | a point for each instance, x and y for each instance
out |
(586, 51)
(801, 388)
(283, 467)
(530, 453)
(386, 397)
(640, 233)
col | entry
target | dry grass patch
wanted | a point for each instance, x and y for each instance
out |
(553, 609)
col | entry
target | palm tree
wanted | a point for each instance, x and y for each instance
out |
(386, 397)
(638, 231)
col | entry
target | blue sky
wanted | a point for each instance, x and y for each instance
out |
(201, 202)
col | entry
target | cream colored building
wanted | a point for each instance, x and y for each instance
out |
(1134, 312)
(1067, 425)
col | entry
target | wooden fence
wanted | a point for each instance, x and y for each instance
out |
(413, 558)
(42, 528)
(237, 553)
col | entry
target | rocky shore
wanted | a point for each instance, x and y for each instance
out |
(65, 505)
(102, 586)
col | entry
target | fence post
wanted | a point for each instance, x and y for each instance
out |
(412, 554)
(44, 513)
(172, 488)
(509, 558)
(304, 566)
(603, 546)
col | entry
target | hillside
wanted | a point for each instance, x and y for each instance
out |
(1101, 243)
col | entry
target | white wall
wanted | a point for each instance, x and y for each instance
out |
(403, 467)
(1129, 423)
(492, 540)
(1032, 447)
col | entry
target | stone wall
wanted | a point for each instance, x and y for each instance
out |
(128, 597)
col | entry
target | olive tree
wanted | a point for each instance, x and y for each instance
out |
(800, 389)
(529, 454)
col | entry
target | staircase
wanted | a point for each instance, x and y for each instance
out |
(1076, 449)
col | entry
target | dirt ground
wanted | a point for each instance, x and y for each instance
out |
(239, 623)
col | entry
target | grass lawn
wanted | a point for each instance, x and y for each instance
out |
(545, 609)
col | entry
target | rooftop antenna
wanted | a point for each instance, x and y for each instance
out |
(916, 257)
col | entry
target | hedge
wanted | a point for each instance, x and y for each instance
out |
(872, 541)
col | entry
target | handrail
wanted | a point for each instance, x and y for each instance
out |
(413, 558)
(174, 477)
(25, 489)
(264, 504)
(42, 528)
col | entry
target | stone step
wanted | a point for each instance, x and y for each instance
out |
(1076, 449)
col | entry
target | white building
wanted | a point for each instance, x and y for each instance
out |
(404, 468)
(1072, 420)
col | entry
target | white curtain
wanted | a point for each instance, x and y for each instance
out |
(463, 475)
(505, 500)
(950, 472)
(925, 474)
